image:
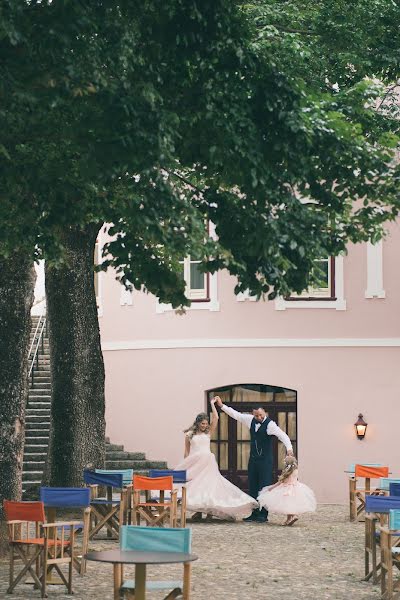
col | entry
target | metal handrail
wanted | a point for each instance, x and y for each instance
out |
(37, 328)
(35, 358)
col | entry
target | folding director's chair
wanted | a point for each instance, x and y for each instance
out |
(109, 512)
(62, 498)
(39, 545)
(180, 481)
(154, 512)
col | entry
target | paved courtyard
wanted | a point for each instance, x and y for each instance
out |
(320, 557)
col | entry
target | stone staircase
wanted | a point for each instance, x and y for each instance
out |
(37, 418)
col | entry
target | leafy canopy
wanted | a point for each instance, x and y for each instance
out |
(157, 117)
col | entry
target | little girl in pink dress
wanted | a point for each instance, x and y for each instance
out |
(288, 496)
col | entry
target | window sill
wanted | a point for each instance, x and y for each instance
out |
(282, 304)
(212, 305)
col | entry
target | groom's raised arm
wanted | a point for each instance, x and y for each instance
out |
(273, 429)
(244, 418)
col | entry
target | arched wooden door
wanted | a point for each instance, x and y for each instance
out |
(231, 441)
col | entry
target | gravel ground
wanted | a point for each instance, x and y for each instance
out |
(320, 557)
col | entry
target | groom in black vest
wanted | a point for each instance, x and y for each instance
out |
(260, 460)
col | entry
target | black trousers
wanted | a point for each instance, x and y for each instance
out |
(260, 475)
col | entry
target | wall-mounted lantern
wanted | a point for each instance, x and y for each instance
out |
(360, 427)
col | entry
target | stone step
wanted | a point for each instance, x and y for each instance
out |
(34, 456)
(33, 448)
(31, 476)
(38, 404)
(35, 432)
(42, 386)
(115, 456)
(35, 425)
(135, 464)
(33, 466)
(32, 411)
(114, 447)
(38, 420)
(36, 440)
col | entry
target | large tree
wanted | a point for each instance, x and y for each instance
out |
(155, 118)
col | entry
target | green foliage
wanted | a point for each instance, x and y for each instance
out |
(157, 117)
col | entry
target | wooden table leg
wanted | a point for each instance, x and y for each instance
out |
(140, 582)
(117, 580)
(187, 570)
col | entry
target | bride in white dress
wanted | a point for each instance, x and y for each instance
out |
(207, 491)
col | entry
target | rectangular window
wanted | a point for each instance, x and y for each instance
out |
(324, 270)
(197, 283)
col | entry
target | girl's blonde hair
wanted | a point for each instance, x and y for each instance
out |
(290, 465)
(195, 427)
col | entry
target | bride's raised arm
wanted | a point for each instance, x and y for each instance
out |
(214, 417)
(187, 446)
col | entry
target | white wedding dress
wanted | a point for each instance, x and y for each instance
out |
(209, 492)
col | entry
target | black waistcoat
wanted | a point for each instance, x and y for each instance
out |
(261, 442)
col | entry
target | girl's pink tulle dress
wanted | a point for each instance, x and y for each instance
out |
(288, 498)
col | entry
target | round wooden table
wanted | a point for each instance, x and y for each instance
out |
(118, 558)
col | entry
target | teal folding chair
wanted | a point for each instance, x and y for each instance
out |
(384, 483)
(390, 557)
(154, 539)
(127, 474)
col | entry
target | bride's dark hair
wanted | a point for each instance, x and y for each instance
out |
(194, 428)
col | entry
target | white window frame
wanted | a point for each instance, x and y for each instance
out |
(243, 296)
(125, 297)
(195, 293)
(99, 274)
(375, 287)
(313, 293)
(212, 304)
(338, 304)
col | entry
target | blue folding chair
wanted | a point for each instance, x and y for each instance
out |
(55, 497)
(109, 511)
(390, 556)
(394, 488)
(154, 539)
(179, 479)
(384, 483)
(377, 509)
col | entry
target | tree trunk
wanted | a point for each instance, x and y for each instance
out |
(17, 281)
(77, 430)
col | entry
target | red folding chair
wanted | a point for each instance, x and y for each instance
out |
(41, 546)
(358, 492)
(155, 512)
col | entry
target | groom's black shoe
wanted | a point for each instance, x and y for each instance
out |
(252, 517)
(261, 519)
(262, 516)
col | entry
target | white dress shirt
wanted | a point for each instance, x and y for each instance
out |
(272, 428)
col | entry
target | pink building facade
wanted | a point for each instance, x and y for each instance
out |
(313, 363)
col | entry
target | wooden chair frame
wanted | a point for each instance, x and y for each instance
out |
(357, 495)
(107, 513)
(154, 513)
(376, 518)
(390, 590)
(79, 561)
(179, 484)
(51, 548)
